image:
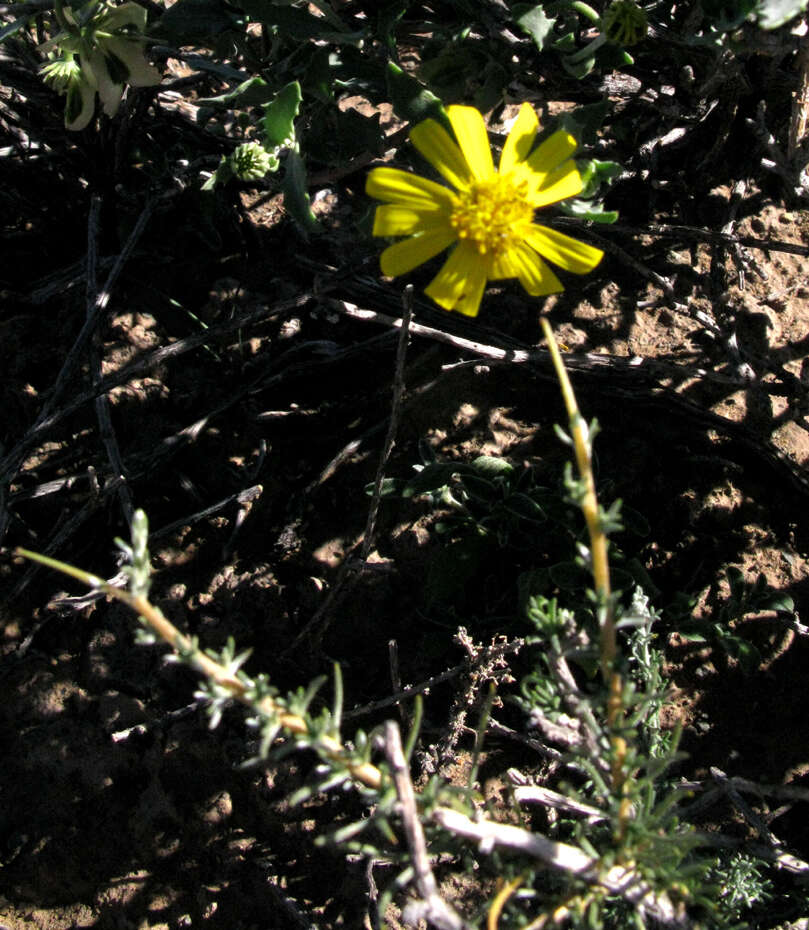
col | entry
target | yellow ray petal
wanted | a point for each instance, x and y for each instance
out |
(565, 181)
(520, 138)
(411, 190)
(435, 144)
(461, 282)
(470, 131)
(393, 219)
(404, 256)
(503, 267)
(552, 152)
(563, 251)
(469, 303)
(532, 272)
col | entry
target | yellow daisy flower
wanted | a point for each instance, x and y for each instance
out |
(489, 216)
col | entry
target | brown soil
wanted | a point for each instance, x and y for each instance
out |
(120, 809)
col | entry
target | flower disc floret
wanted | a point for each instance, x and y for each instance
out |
(486, 215)
(492, 214)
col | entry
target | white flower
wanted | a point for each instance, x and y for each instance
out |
(109, 50)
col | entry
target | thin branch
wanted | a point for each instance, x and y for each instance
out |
(393, 425)
(432, 906)
(620, 880)
(694, 233)
(800, 105)
(102, 403)
(9, 464)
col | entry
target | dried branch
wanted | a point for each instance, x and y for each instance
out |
(432, 906)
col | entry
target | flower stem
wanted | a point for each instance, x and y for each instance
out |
(586, 10)
(599, 562)
(588, 51)
(59, 13)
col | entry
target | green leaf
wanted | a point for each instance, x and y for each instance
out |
(584, 122)
(634, 521)
(774, 13)
(612, 57)
(279, 117)
(253, 92)
(737, 584)
(521, 505)
(587, 210)
(299, 23)
(200, 19)
(578, 69)
(221, 70)
(13, 27)
(780, 603)
(490, 466)
(411, 100)
(223, 173)
(453, 567)
(296, 198)
(387, 19)
(391, 487)
(535, 23)
(569, 576)
(595, 174)
(745, 653)
(319, 79)
(430, 478)
(481, 489)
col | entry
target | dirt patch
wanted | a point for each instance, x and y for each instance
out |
(249, 431)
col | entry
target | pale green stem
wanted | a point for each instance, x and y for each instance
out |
(59, 13)
(586, 10)
(589, 506)
(600, 568)
(365, 772)
(588, 51)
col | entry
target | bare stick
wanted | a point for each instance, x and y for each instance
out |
(498, 649)
(800, 105)
(621, 880)
(10, 463)
(102, 299)
(102, 403)
(673, 231)
(396, 406)
(13, 460)
(432, 907)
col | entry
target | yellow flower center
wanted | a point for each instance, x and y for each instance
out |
(492, 213)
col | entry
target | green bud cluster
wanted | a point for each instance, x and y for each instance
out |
(625, 23)
(251, 161)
